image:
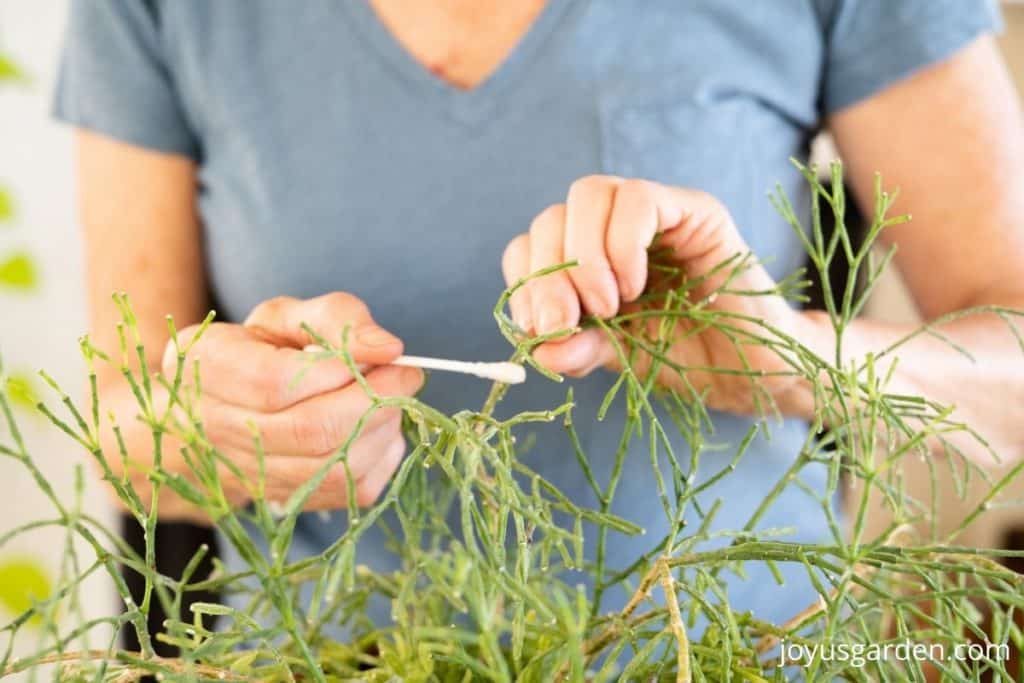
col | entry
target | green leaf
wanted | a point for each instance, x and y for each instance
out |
(22, 391)
(9, 71)
(23, 581)
(6, 206)
(18, 272)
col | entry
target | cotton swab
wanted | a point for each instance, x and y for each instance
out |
(508, 373)
(505, 372)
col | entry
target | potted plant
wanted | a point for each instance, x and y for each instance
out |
(494, 595)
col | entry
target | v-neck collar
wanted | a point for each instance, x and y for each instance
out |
(470, 106)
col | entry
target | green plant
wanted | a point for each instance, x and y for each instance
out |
(8, 72)
(6, 206)
(488, 598)
(17, 270)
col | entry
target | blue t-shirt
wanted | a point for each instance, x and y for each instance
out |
(330, 160)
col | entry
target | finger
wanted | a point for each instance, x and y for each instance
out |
(634, 223)
(588, 209)
(324, 423)
(371, 487)
(578, 355)
(241, 368)
(281, 319)
(286, 475)
(515, 265)
(555, 304)
(241, 446)
(704, 236)
(281, 476)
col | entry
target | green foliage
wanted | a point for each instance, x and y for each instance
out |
(21, 390)
(494, 595)
(9, 71)
(6, 206)
(18, 271)
(23, 582)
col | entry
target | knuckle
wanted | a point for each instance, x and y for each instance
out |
(270, 308)
(587, 186)
(547, 219)
(278, 303)
(343, 305)
(713, 203)
(514, 251)
(704, 196)
(636, 189)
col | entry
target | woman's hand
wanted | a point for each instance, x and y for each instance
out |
(249, 373)
(606, 225)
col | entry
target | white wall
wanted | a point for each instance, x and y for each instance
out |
(39, 329)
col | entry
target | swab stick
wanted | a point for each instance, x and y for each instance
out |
(505, 372)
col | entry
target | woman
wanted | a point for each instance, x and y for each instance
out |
(371, 163)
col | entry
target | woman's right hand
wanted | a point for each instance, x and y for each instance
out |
(249, 374)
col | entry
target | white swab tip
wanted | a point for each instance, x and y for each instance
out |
(509, 373)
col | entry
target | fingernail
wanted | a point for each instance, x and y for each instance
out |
(581, 352)
(605, 307)
(413, 377)
(169, 359)
(375, 336)
(550, 321)
(625, 291)
(520, 320)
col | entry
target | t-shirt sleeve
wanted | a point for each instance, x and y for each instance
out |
(874, 43)
(114, 77)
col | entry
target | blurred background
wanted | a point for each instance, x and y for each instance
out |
(41, 313)
(41, 305)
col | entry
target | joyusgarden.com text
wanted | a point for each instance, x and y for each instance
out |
(860, 654)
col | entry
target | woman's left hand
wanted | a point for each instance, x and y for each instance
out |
(606, 225)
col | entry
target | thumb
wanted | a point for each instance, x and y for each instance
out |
(282, 319)
(703, 236)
